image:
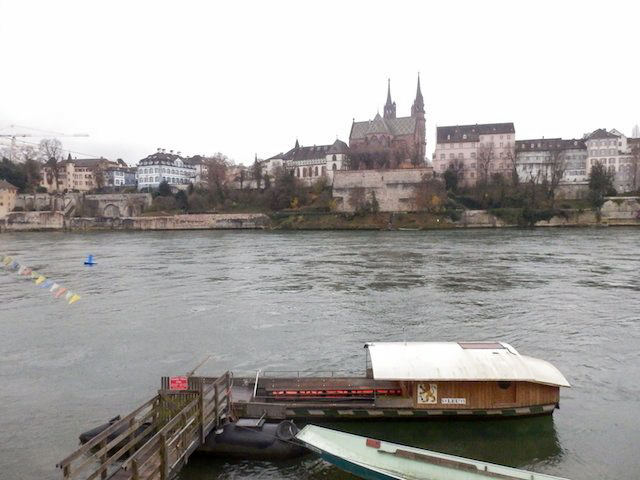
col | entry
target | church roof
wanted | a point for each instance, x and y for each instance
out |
(338, 147)
(378, 125)
(393, 126)
(471, 133)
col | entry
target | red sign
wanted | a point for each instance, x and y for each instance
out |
(178, 383)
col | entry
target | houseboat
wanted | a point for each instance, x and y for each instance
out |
(410, 380)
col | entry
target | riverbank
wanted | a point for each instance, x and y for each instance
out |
(622, 211)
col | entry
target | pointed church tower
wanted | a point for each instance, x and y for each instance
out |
(420, 139)
(418, 103)
(389, 107)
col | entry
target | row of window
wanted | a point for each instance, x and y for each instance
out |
(158, 179)
(172, 171)
(604, 143)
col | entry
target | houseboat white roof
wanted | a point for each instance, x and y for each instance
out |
(458, 361)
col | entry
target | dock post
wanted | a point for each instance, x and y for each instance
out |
(164, 458)
(201, 406)
(135, 475)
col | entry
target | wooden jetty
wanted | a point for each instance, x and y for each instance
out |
(156, 439)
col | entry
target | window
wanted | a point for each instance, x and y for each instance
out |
(473, 154)
(443, 156)
(452, 156)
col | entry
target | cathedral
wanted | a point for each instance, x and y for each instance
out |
(388, 141)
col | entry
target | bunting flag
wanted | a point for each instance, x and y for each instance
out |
(41, 280)
(74, 298)
(60, 292)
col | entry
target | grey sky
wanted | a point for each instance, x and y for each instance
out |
(247, 77)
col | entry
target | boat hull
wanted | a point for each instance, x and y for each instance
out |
(333, 412)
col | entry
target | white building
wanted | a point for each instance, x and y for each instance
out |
(162, 166)
(310, 163)
(537, 158)
(611, 149)
(475, 151)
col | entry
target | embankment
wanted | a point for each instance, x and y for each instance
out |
(620, 211)
(43, 221)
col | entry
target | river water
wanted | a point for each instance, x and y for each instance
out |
(158, 302)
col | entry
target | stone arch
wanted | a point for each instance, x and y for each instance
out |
(111, 211)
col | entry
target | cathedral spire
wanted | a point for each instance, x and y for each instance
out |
(389, 107)
(418, 103)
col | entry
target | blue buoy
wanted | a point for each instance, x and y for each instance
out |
(89, 261)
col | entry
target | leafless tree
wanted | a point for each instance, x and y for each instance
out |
(99, 177)
(51, 151)
(554, 172)
(217, 168)
(511, 158)
(486, 156)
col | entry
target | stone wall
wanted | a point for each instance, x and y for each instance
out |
(395, 190)
(621, 211)
(34, 221)
(212, 221)
(115, 205)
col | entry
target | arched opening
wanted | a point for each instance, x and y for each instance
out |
(316, 171)
(111, 211)
(334, 167)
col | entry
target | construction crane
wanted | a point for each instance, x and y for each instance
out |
(45, 134)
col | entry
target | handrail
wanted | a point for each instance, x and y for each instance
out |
(105, 433)
(176, 422)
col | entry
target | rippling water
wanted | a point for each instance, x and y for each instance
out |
(159, 302)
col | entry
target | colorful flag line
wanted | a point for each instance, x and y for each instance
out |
(44, 282)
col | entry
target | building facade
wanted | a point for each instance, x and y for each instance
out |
(7, 197)
(308, 164)
(617, 153)
(545, 159)
(475, 152)
(388, 141)
(79, 175)
(164, 167)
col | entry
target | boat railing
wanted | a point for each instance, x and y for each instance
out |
(309, 373)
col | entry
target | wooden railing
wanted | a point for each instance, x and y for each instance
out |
(156, 439)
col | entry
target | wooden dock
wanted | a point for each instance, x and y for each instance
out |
(157, 438)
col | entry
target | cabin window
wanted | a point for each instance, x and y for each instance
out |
(504, 385)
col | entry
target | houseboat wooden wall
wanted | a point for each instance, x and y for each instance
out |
(480, 395)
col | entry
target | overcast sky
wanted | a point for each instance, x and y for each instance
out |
(251, 77)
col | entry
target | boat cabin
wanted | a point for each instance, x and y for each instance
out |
(408, 379)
